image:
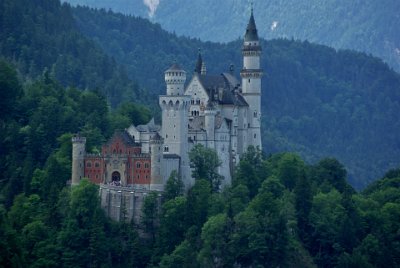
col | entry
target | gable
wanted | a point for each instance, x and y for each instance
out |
(196, 90)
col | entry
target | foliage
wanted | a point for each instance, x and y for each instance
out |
(205, 162)
(39, 36)
(364, 26)
(277, 208)
(316, 101)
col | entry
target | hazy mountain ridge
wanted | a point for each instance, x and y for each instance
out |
(370, 26)
(316, 101)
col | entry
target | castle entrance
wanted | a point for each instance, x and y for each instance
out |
(115, 176)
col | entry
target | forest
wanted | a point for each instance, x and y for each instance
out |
(282, 209)
(279, 210)
(369, 26)
(316, 101)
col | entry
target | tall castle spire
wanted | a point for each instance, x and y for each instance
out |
(199, 63)
(251, 30)
(251, 81)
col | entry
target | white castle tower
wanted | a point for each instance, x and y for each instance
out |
(175, 119)
(251, 82)
(78, 159)
(209, 124)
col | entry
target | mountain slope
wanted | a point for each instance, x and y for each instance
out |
(370, 26)
(316, 101)
(38, 36)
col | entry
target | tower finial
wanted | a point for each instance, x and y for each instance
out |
(199, 63)
(251, 30)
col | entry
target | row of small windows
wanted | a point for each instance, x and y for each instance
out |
(138, 177)
(195, 113)
(139, 164)
(174, 74)
(89, 164)
(195, 102)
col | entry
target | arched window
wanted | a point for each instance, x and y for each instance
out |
(138, 165)
(97, 164)
(89, 164)
(115, 176)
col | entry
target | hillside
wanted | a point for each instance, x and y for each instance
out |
(38, 37)
(280, 210)
(370, 26)
(316, 101)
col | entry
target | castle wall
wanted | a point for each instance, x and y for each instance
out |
(122, 203)
(94, 168)
(170, 164)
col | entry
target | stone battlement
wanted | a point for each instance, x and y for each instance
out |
(78, 139)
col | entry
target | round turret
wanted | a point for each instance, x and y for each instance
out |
(78, 159)
(175, 78)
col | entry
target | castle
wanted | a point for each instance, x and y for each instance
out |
(216, 111)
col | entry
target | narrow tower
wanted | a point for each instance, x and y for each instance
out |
(157, 182)
(78, 159)
(175, 119)
(209, 124)
(251, 81)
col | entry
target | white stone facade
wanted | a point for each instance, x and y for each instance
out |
(216, 111)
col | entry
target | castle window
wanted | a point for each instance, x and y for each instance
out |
(146, 165)
(88, 164)
(255, 113)
(138, 165)
(255, 135)
(97, 164)
(166, 149)
(249, 81)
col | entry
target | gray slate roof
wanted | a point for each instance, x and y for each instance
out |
(251, 30)
(220, 88)
(149, 127)
(174, 67)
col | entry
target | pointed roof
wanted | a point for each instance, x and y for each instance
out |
(174, 67)
(149, 127)
(127, 139)
(199, 63)
(251, 30)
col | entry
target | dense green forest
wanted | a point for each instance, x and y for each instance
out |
(37, 35)
(316, 101)
(370, 26)
(279, 210)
